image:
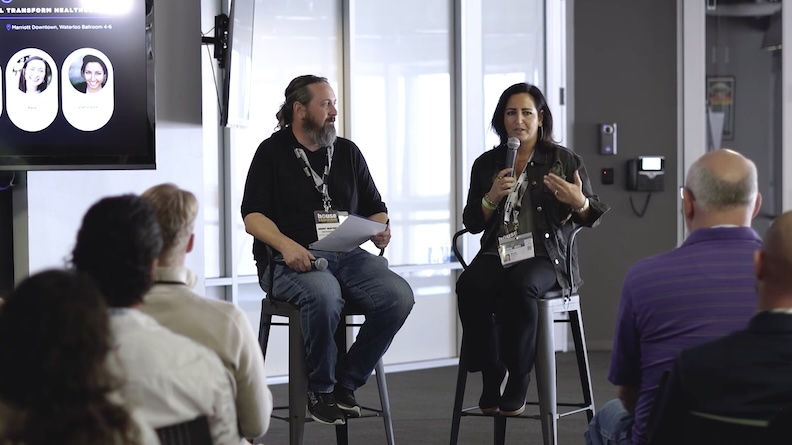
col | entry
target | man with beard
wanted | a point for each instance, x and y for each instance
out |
(301, 179)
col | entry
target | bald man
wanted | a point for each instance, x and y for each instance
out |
(747, 373)
(700, 291)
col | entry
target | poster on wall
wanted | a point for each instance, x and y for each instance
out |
(720, 99)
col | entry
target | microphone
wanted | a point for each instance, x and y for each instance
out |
(319, 263)
(511, 153)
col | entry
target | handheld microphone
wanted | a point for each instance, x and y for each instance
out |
(512, 144)
(319, 263)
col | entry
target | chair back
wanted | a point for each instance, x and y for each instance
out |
(192, 432)
(708, 429)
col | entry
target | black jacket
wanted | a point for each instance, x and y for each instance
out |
(549, 214)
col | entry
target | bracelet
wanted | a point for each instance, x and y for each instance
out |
(584, 208)
(489, 205)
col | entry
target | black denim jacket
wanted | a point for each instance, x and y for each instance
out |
(551, 222)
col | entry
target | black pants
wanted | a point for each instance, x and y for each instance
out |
(499, 311)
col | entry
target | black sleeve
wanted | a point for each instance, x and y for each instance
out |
(369, 198)
(597, 207)
(257, 197)
(473, 215)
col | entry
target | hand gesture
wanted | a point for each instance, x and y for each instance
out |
(570, 193)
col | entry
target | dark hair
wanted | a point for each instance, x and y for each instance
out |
(47, 75)
(541, 107)
(297, 91)
(116, 245)
(90, 58)
(54, 342)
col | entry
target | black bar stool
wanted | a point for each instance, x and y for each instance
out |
(552, 303)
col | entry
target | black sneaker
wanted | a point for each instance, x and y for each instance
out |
(323, 409)
(345, 398)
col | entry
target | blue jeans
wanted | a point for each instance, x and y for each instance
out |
(358, 279)
(610, 426)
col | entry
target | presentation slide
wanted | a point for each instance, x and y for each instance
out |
(73, 80)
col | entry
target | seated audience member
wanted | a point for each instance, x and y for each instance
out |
(700, 291)
(170, 378)
(218, 325)
(279, 209)
(54, 382)
(747, 374)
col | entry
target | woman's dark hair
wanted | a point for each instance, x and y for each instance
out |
(297, 91)
(116, 245)
(54, 343)
(47, 75)
(541, 107)
(90, 58)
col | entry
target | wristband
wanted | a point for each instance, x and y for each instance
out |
(488, 204)
(584, 208)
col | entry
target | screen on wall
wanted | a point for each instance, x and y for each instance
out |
(75, 86)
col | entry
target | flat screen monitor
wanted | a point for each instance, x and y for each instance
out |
(238, 64)
(76, 80)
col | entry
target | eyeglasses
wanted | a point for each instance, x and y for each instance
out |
(682, 192)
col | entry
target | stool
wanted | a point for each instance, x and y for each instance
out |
(298, 380)
(554, 302)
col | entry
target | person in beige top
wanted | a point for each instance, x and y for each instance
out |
(218, 325)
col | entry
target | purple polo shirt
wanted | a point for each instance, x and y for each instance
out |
(698, 292)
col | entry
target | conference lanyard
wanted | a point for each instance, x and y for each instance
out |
(511, 209)
(319, 182)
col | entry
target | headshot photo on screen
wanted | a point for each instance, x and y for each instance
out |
(88, 89)
(35, 75)
(32, 99)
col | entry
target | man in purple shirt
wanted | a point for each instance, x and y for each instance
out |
(698, 292)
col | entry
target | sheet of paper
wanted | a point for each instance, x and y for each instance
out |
(354, 231)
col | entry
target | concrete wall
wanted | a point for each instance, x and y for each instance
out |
(624, 71)
(48, 206)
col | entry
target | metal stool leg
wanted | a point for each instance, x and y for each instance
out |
(298, 382)
(584, 370)
(460, 394)
(499, 437)
(546, 373)
(382, 387)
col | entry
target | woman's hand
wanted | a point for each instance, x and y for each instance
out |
(501, 186)
(566, 192)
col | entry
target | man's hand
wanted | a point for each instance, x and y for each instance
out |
(382, 239)
(297, 257)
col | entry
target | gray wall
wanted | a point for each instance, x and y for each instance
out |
(625, 71)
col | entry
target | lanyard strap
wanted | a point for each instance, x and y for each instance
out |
(514, 200)
(320, 183)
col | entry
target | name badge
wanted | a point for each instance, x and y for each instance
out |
(327, 221)
(513, 248)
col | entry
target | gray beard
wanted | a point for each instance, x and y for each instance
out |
(323, 136)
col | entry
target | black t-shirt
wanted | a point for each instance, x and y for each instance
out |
(278, 188)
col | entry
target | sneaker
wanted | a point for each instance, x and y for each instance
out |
(345, 398)
(323, 409)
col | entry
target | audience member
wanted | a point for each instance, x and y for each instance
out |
(218, 325)
(700, 291)
(747, 373)
(169, 377)
(54, 383)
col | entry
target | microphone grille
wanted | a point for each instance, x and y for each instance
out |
(320, 263)
(513, 143)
